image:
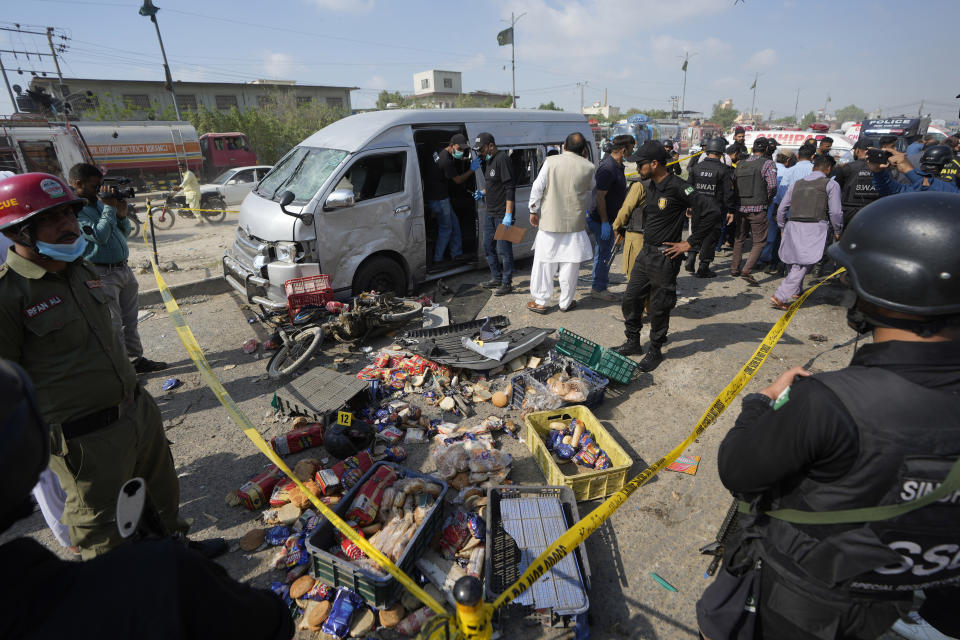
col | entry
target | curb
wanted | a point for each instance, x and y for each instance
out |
(207, 286)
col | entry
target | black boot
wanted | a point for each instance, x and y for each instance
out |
(691, 262)
(817, 271)
(704, 271)
(632, 347)
(652, 360)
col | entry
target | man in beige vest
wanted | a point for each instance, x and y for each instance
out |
(559, 199)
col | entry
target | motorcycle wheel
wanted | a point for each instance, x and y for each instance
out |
(295, 352)
(215, 203)
(413, 309)
(134, 227)
(165, 219)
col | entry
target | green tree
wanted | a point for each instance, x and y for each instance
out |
(107, 108)
(549, 106)
(808, 119)
(851, 112)
(784, 120)
(386, 97)
(653, 114)
(723, 116)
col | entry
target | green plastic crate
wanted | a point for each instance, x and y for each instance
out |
(606, 362)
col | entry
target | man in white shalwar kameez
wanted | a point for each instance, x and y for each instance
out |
(559, 199)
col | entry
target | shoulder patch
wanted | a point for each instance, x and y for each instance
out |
(688, 190)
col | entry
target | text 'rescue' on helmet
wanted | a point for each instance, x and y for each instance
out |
(29, 194)
(901, 254)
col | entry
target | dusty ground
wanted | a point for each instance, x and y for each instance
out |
(714, 329)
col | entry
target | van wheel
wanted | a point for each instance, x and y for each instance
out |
(380, 274)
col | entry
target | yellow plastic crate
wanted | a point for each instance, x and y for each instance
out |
(586, 485)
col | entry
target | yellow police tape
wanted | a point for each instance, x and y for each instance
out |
(678, 160)
(587, 525)
(200, 362)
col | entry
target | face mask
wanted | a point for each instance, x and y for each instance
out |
(63, 252)
(458, 155)
(489, 157)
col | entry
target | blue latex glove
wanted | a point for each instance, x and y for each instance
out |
(605, 231)
(474, 164)
(478, 195)
(507, 219)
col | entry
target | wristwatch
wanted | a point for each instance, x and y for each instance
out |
(757, 397)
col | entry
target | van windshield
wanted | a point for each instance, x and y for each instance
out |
(302, 171)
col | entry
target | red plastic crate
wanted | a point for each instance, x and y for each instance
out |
(312, 290)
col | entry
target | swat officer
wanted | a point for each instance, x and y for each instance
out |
(655, 270)
(713, 179)
(845, 515)
(55, 323)
(856, 182)
(673, 158)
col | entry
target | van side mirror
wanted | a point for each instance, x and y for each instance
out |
(286, 198)
(340, 199)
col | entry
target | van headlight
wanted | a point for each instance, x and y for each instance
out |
(287, 251)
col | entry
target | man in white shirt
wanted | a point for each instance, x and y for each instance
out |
(559, 199)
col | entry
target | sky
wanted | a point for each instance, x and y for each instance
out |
(852, 51)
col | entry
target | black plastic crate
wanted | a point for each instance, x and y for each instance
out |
(556, 363)
(320, 393)
(498, 322)
(378, 590)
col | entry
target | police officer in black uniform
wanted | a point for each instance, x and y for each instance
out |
(655, 270)
(713, 179)
(850, 480)
(673, 157)
(856, 183)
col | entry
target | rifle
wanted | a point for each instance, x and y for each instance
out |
(137, 515)
(715, 548)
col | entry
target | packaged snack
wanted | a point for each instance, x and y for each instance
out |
(296, 551)
(363, 510)
(350, 477)
(554, 439)
(382, 359)
(254, 493)
(478, 528)
(298, 439)
(395, 454)
(349, 547)
(277, 535)
(603, 462)
(482, 460)
(345, 604)
(412, 623)
(281, 494)
(454, 534)
(391, 435)
(319, 592)
(565, 451)
(330, 479)
(587, 456)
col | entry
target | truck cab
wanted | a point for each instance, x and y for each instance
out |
(222, 151)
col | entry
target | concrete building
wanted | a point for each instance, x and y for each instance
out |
(603, 112)
(444, 90)
(219, 96)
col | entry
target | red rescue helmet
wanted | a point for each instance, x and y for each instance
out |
(28, 194)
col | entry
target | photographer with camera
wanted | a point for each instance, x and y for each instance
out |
(149, 589)
(103, 222)
(925, 178)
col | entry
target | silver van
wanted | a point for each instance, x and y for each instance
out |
(348, 201)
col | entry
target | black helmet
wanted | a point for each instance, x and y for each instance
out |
(714, 145)
(24, 443)
(343, 442)
(901, 253)
(760, 145)
(934, 158)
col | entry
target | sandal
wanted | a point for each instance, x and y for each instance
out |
(783, 306)
(537, 308)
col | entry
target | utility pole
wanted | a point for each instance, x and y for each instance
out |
(581, 85)
(753, 104)
(149, 10)
(683, 101)
(6, 83)
(796, 106)
(920, 110)
(56, 63)
(513, 57)
(674, 100)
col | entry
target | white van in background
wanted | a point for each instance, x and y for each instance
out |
(348, 200)
(842, 148)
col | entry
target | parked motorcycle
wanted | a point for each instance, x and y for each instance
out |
(213, 205)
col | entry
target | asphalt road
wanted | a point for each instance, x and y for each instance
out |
(714, 330)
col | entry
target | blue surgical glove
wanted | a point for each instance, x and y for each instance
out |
(474, 164)
(507, 219)
(478, 195)
(605, 231)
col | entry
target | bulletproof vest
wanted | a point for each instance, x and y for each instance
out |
(635, 223)
(750, 183)
(809, 203)
(909, 437)
(858, 191)
(949, 172)
(705, 177)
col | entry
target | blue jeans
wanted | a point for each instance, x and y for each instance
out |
(601, 256)
(771, 250)
(499, 252)
(448, 229)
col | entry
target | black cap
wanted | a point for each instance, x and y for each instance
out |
(649, 151)
(760, 144)
(771, 144)
(862, 144)
(483, 139)
(460, 139)
(668, 143)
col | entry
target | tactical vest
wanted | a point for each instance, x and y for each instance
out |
(635, 224)
(858, 191)
(809, 203)
(950, 171)
(705, 177)
(909, 438)
(750, 183)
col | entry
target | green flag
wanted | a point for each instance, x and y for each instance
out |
(505, 37)
(684, 65)
(754, 85)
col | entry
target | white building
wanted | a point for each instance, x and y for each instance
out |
(605, 112)
(444, 90)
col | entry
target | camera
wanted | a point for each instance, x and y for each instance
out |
(878, 156)
(118, 188)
